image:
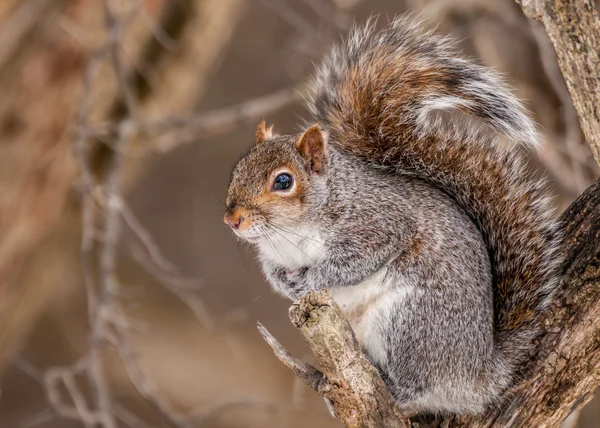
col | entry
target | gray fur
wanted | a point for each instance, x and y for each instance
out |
(438, 247)
(408, 229)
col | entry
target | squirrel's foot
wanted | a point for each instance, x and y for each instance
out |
(293, 283)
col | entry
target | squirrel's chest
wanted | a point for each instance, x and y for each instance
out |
(294, 248)
(368, 307)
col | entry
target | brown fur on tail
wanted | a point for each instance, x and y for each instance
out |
(402, 99)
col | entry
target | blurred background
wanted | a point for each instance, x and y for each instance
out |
(121, 290)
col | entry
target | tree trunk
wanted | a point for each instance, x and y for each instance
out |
(574, 29)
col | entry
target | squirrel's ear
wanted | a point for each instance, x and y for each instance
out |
(312, 146)
(263, 133)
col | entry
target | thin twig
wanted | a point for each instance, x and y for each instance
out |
(115, 28)
(313, 377)
(188, 130)
(142, 383)
(330, 13)
(158, 31)
(165, 278)
(288, 14)
(112, 224)
(96, 367)
(145, 237)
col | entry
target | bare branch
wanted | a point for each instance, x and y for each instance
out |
(574, 29)
(313, 377)
(147, 240)
(115, 28)
(104, 215)
(187, 130)
(165, 278)
(288, 14)
(357, 394)
(96, 369)
(87, 416)
(51, 380)
(122, 343)
(329, 13)
(158, 31)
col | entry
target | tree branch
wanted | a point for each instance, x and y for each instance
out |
(352, 385)
(574, 29)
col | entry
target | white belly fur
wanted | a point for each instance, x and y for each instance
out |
(368, 306)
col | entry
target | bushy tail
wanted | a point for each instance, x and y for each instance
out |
(399, 98)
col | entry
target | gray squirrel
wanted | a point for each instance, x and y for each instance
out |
(409, 200)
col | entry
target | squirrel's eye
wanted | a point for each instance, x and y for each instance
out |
(283, 181)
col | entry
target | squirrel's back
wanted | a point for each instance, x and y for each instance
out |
(403, 99)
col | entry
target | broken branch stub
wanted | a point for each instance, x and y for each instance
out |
(358, 395)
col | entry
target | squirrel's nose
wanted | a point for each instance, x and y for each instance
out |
(233, 221)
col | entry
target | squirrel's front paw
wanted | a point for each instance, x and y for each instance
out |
(293, 282)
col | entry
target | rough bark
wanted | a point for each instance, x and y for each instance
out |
(352, 385)
(574, 29)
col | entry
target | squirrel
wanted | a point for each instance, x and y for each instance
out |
(409, 199)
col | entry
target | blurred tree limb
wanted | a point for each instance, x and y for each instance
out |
(40, 231)
(563, 376)
(141, 62)
(574, 29)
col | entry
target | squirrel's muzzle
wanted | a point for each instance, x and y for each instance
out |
(233, 220)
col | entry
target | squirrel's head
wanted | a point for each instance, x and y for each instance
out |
(275, 185)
